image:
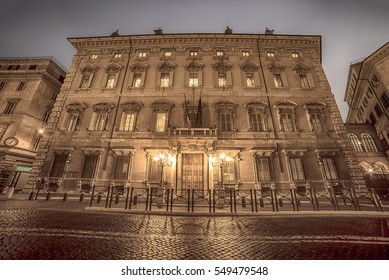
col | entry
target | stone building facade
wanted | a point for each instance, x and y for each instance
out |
(28, 89)
(367, 94)
(196, 111)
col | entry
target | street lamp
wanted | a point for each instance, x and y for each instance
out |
(163, 159)
(222, 160)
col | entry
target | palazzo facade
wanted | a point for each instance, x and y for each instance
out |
(196, 111)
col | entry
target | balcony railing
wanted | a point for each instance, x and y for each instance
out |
(193, 132)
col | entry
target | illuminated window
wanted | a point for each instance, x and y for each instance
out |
(270, 54)
(295, 55)
(368, 143)
(222, 79)
(137, 80)
(72, 122)
(161, 122)
(193, 53)
(164, 80)
(129, 122)
(245, 53)
(101, 120)
(219, 53)
(167, 54)
(357, 145)
(304, 81)
(93, 56)
(110, 80)
(193, 79)
(141, 54)
(250, 80)
(230, 172)
(86, 80)
(117, 55)
(278, 81)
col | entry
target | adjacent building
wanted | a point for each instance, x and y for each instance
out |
(367, 94)
(28, 90)
(196, 111)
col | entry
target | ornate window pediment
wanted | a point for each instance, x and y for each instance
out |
(194, 66)
(255, 106)
(276, 67)
(249, 67)
(113, 68)
(139, 67)
(315, 107)
(225, 106)
(75, 107)
(222, 66)
(286, 104)
(301, 68)
(131, 106)
(166, 66)
(103, 107)
(162, 106)
(89, 69)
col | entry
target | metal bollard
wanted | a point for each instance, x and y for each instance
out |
(81, 197)
(32, 195)
(117, 199)
(48, 196)
(98, 198)
(280, 202)
(135, 200)
(65, 197)
(243, 202)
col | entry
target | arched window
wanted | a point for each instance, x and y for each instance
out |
(368, 143)
(380, 168)
(355, 142)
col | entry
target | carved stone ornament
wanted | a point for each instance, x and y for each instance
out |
(326, 153)
(301, 68)
(131, 106)
(260, 152)
(315, 107)
(276, 67)
(89, 68)
(255, 105)
(139, 67)
(75, 107)
(103, 107)
(194, 66)
(113, 68)
(166, 66)
(295, 153)
(249, 67)
(162, 106)
(225, 106)
(222, 66)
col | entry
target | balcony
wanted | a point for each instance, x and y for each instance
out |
(193, 132)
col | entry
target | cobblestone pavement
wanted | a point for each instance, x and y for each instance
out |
(48, 230)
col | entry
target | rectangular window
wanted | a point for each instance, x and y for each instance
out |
(167, 54)
(192, 171)
(117, 55)
(225, 121)
(72, 122)
(86, 80)
(161, 121)
(264, 171)
(13, 67)
(295, 55)
(245, 53)
(153, 171)
(47, 116)
(110, 81)
(101, 121)
(2, 85)
(35, 146)
(304, 81)
(230, 172)
(141, 54)
(219, 53)
(330, 168)
(164, 80)
(32, 67)
(121, 168)
(89, 166)
(384, 100)
(372, 118)
(278, 80)
(256, 121)
(193, 79)
(286, 122)
(137, 81)
(93, 56)
(378, 110)
(129, 122)
(270, 54)
(222, 79)
(297, 169)
(316, 122)
(54, 96)
(193, 53)
(10, 107)
(250, 80)
(21, 86)
(58, 166)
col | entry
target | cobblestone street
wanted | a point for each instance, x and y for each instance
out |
(48, 230)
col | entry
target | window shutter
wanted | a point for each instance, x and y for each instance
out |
(171, 78)
(200, 77)
(131, 80)
(229, 78)
(93, 121)
(158, 82)
(216, 78)
(284, 80)
(90, 80)
(143, 79)
(58, 166)
(257, 80)
(187, 78)
(310, 80)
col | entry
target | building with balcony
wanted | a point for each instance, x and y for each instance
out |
(196, 111)
(28, 90)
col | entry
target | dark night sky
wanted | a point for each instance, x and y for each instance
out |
(350, 29)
